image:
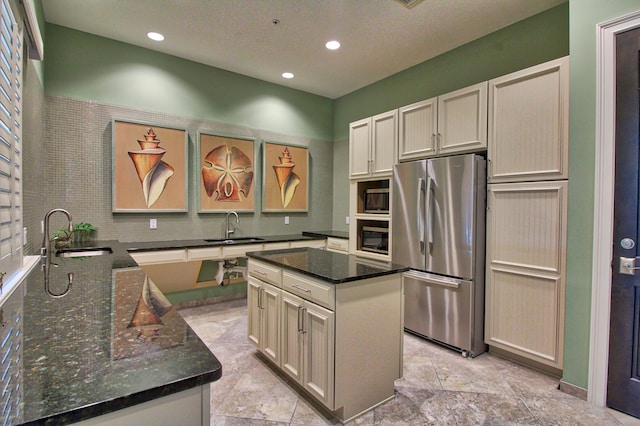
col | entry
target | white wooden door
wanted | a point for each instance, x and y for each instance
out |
(254, 324)
(291, 335)
(417, 130)
(462, 120)
(270, 327)
(359, 143)
(318, 331)
(525, 278)
(529, 124)
(384, 137)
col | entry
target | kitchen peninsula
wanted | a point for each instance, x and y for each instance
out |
(112, 350)
(332, 322)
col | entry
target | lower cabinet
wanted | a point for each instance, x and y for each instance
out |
(307, 346)
(330, 338)
(264, 301)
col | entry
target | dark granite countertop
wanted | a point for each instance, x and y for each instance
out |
(197, 243)
(331, 233)
(334, 268)
(92, 352)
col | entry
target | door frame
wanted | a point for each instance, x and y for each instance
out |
(603, 203)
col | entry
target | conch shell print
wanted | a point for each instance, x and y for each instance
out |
(287, 180)
(152, 171)
(228, 174)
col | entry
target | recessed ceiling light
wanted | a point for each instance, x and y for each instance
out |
(333, 45)
(155, 36)
(287, 74)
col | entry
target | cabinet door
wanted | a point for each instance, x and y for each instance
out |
(270, 327)
(529, 124)
(525, 278)
(291, 335)
(462, 120)
(318, 331)
(253, 298)
(417, 130)
(359, 142)
(384, 137)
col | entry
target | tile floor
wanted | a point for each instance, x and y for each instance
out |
(439, 386)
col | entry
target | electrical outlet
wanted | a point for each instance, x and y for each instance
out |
(286, 220)
(153, 223)
(347, 220)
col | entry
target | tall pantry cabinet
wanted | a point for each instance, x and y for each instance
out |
(528, 136)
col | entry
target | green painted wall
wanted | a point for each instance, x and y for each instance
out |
(584, 15)
(82, 66)
(538, 39)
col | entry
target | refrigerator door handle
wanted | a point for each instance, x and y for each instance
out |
(428, 215)
(420, 214)
(433, 279)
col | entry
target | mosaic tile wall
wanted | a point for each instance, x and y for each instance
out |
(73, 162)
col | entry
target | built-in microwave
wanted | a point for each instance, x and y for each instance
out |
(376, 200)
(374, 239)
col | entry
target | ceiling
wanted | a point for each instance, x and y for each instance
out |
(379, 37)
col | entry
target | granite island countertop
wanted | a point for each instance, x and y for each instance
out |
(332, 267)
(94, 351)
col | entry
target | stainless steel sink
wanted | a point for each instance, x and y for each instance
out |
(84, 252)
(234, 240)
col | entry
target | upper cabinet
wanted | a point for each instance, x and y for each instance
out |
(372, 145)
(529, 124)
(451, 123)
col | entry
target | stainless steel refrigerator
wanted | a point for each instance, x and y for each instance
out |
(438, 229)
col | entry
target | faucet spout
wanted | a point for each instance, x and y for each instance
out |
(228, 231)
(46, 241)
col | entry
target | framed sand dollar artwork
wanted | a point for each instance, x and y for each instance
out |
(149, 167)
(285, 180)
(226, 173)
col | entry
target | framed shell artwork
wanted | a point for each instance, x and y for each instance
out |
(149, 168)
(285, 178)
(226, 173)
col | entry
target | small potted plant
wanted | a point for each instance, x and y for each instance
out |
(82, 232)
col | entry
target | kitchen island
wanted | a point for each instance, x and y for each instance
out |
(330, 321)
(90, 339)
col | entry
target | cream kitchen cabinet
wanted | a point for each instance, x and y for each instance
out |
(307, 345)
(372, 145)
(264, 303)
(455, 122)
(529, 124)
(328, 330)
(525, 281)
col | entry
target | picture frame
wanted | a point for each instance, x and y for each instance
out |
(226, 173)
(285, 178)
(149, 167)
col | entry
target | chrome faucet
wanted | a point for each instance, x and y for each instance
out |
(228, 231)
(46, 242)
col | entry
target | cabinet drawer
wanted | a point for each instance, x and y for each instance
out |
(265, 272)
(204, 253)
(309, 289)
(337, 244)
(239, 251)
(308, 243)
(159, 256)
(276, 246)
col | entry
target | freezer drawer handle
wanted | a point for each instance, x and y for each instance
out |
(441, 281)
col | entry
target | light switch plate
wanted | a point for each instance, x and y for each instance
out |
(286, 220)
(153, 223)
